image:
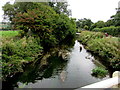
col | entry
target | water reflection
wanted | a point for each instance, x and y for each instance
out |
(34, 73)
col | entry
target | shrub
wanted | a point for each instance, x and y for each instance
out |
(99, 72)
(17, 52)
(112, 30)
(106, 47)
(85, 36)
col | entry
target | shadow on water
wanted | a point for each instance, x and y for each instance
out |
(59, 73)
(33, 73)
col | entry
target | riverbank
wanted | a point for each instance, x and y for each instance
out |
(105, 47)
(18, 52)
(71, 73)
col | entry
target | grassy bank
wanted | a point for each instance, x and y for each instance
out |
(8, 33)
(106, 47)
(17, 52)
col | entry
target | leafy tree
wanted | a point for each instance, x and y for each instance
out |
(11, 10)
(18, 7)
(114, 19)
(37, 21)
(60, 7)
(99, 24)
(81, 23)
(43, 22)
(109, 23)
(65, 28)
(117, 19)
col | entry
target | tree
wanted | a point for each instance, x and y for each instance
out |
(81, 23)
(11, 10)
(117, 19)
(60, 7)
(109, 23)
(99, 24)
(114, 19)
(43, 22)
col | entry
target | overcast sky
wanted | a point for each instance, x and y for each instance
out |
(92, 9)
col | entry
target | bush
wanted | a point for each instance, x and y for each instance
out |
(99, 72)
(17, 52)
(112, 30)
(85, 36)
(106, 47)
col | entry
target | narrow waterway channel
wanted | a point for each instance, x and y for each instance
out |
(74, 73)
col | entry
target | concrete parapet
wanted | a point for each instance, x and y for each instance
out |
(113, 82)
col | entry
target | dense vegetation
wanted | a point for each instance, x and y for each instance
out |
(15, 54)
(40, 27)
(84, 24)
(112, 26)
(112, 30)
(99, 72)
(105, 47)
(44, 23)
(99, 39)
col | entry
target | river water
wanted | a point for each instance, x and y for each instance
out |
(74, 73)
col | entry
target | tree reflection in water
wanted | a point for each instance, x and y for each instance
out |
(32, 73)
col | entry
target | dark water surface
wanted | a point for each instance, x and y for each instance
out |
(74, 73)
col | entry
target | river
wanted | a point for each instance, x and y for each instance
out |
(74, 73)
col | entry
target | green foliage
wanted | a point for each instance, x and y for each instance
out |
(116, 19)
(85, 36)
(60, 7)
(86, 27)
(106, 47)
(40, 26)
(19, 7)
(99, 72)
(99, 24)
(109, 23)
(16, 53)
(8, 11)
(112, 30)
(22, 7)
(79, 31)
(65, 29)
(51, 28)
(82, 23)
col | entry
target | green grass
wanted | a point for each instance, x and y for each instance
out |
(8, 33)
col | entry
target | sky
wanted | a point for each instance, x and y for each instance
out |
(91, 9)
